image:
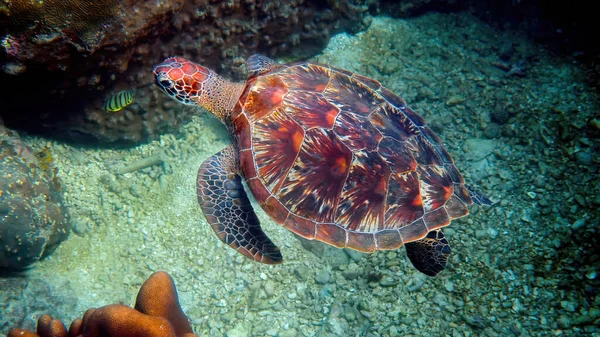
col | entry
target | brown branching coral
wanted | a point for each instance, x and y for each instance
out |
(156, 314)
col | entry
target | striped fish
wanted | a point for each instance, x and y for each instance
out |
(119, 101)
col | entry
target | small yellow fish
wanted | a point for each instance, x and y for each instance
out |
(44, 158)
(119, 100)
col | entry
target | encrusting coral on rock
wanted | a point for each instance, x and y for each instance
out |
(81, 21)
(157, 313)
(33, 217)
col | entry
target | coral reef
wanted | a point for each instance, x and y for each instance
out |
(33, 218)
(80, 20)
(156, 314)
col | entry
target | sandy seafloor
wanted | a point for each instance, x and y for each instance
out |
(523, 267)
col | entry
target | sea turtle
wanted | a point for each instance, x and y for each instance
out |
(329, 154)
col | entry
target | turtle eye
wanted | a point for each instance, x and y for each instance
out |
(165, 83)
(163, 80)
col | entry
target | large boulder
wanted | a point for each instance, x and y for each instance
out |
(33, 218)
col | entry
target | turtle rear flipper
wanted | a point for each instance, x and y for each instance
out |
(228, 210)
(430, 254)
(479, 198)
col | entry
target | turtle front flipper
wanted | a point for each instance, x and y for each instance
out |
(430, 254)
(259, 64)
(227, 209)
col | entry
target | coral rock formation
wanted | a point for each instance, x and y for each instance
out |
(80, 20)
(156, 314)
(78, 61)
(33, 218)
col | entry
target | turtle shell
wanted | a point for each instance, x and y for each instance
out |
(336, 157)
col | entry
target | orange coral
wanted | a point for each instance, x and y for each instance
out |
(157, 314)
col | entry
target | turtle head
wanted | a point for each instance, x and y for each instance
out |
(181, 79)
(193, 84)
